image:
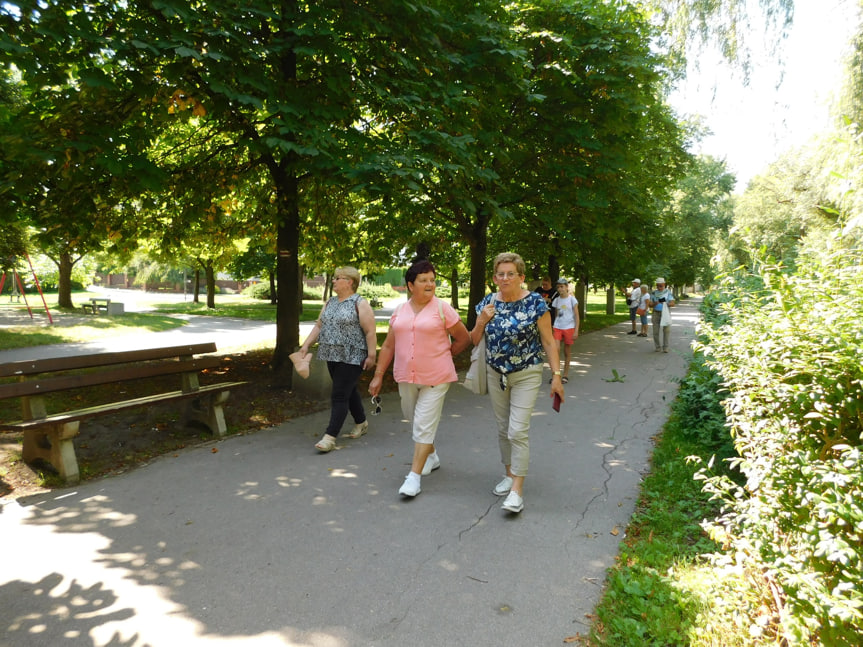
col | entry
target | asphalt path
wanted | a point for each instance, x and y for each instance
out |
(259, 540)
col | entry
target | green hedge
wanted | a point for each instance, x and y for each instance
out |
(789, 350)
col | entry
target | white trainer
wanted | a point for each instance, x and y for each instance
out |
(411, 486)
(513, 502)
(504, 486)
(432, 463)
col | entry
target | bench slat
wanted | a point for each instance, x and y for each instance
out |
(89, 412)
(66, 382)
(36, 366)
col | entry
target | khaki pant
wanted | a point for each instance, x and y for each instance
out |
(512, 410)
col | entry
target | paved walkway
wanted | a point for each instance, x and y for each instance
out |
(258, 540)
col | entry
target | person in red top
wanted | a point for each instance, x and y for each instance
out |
(425, 333)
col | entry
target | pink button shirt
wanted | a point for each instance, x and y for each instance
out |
(422, 348)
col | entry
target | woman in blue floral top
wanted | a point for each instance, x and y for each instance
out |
(517, 328)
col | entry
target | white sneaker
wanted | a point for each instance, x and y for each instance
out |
(504, 486)
(411, 486)
(432, 463)
(513, 503)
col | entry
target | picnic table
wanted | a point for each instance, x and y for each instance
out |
(98, 304)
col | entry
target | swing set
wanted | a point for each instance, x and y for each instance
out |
(16, 283)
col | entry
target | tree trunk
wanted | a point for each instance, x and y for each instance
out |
(478, 241)
(197, 290)
(453, 281)
(287, 269)
(273, 296)
(581, 295)
(553, 269)
(609, 300)
(211, 284)
(64, 280)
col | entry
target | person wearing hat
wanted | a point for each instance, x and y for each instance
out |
(661, 300)
(565, 326)
(632, 299)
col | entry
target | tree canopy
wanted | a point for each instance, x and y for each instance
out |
(339, 132)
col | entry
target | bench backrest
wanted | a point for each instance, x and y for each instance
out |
(125, 365)
(73, 362)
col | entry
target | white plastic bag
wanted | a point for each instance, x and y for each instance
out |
(475, 379)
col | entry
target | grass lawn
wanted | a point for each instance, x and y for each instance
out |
(92, 329)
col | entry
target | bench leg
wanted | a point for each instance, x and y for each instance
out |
(54, 444)
(207, 410)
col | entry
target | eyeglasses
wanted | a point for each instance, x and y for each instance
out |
(503, 382)
(376, 403)
(506, 275)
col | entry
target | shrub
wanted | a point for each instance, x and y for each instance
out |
(699, 409)
(370, 291)
(258, 291)
(789, 349)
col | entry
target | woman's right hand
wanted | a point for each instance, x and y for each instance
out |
(487, 314)
(375, 385)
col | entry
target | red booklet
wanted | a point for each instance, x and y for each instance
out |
(556, 402)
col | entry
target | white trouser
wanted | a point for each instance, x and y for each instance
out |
(422, 406)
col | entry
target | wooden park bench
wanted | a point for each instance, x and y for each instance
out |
(48, 436)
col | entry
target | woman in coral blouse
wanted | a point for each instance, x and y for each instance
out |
(425, 333)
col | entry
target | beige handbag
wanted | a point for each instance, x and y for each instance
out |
(301, 363)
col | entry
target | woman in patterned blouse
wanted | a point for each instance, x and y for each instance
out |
(517, 328)
(348, 343)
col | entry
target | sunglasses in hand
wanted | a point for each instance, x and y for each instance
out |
(376, 405)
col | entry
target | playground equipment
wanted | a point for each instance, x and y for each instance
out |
(16, 283)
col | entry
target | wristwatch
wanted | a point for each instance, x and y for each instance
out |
(558, 373)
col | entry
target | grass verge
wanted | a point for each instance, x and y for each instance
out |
(663, 589)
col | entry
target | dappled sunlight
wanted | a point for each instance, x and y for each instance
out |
(94, 515)
(337, 472)
(284, 481)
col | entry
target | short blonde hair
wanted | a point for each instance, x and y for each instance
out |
(510, 257)
(352, 273)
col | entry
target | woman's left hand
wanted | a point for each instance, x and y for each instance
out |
(369, 363)
(557, 387)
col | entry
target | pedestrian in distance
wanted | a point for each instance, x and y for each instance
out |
(517, 327)
(347, 342)
(661, 300)
(424, 335)
(642, 309)
(549, 294)
(565, 326)
(632, 297)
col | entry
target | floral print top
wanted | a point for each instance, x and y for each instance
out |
(342, 338)
(512, 336)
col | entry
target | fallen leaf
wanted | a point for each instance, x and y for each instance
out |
(615, 531)
(215, 450)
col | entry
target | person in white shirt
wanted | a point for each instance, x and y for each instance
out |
(661, 300)
(632, 298)
(642, 310)
(566, 323)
